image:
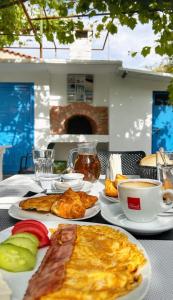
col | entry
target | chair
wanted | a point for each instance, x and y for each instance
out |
(129, 159)
(26, 164)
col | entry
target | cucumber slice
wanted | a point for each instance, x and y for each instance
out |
(16, 259)
(26, 235)
(22, 242)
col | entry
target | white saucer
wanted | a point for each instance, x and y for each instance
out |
(114, 214)
(111, 199)
(86, 187)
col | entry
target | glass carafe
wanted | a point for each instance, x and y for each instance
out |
(87, 161)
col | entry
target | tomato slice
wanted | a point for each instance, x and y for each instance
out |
(31, 228)
(35, 223)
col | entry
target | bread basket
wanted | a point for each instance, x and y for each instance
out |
(148, 172)
(147, 167)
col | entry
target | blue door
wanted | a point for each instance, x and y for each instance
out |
(162, 124)
(16, 123)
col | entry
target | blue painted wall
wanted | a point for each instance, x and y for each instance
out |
(162, 124)
(16, 123)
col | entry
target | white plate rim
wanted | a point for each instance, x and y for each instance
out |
(111, 199)
(17, 213)
(135, 226)
(137, 294)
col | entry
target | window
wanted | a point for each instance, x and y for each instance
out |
(80, 88)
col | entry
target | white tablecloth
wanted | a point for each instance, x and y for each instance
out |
(159, 252)
(161, 257)
(15, 187)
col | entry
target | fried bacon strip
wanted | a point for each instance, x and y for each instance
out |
(51, 273)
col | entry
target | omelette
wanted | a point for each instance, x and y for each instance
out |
(87, 263)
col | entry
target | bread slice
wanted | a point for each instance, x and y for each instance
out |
(151, 160)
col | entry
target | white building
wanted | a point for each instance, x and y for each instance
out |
(126, 94)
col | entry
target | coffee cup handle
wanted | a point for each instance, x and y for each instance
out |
(166, 205)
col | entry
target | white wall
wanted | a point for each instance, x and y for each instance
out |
(58, 84)
(51, 89)
(129, 100)
(130, 111)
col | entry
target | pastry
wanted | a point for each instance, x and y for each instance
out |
(41, 204)
(69, 207)
(87, 200)
(110, 189)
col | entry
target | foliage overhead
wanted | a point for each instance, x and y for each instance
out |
(167, 67)
(13, 21)
(65, 17)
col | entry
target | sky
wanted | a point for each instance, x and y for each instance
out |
(126, 41)
(118, 47)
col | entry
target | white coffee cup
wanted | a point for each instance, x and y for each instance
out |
(142, 199)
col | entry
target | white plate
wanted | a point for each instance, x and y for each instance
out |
(86, 187)
(114, 214)
(18, 281)
(16, 212)
(111, 199)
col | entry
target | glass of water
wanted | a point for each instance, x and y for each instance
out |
(43, 162)
(165, 172)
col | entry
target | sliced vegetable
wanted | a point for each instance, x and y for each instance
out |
(16, 259)
(22, 242)
(28, 235)
(34, 223)
(43, 238)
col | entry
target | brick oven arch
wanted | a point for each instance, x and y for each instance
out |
(85, 120)
(97, 116)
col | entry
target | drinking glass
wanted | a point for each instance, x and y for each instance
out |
(165, 173)
(43, 162)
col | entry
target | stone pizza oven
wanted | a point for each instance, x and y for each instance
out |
(79, 118)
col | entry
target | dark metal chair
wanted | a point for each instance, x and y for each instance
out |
(129, 159)
(26, 164)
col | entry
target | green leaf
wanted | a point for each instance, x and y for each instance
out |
(145, 51)
(104, 19)
(133, 54)
(92, 13)
(131, 23)
(100, 27)
(111, 27)
(159, 50)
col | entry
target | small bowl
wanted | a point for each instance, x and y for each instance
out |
(46, 180)
(72, 176)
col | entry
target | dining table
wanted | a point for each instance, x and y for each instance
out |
(159, 247)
